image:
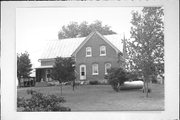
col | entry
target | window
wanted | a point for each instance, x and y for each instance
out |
(103, 51)
(88, 52)
(95, 69)
(82, 72)
(107, 66)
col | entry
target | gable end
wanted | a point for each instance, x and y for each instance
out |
(88, 37)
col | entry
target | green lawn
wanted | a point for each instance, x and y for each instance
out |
(103, 98)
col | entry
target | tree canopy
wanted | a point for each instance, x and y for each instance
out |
(116, 77)
(63, 70)
(24, 66)
(83, 29)
(146, 46)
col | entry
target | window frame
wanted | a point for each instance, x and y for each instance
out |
(103, 48)
(82, 77)
(93, 69)
(105, 67)
(90, 50)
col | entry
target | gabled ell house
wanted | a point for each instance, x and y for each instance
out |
(93, 55)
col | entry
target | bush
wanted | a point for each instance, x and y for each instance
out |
(116, 77)
(103, 82)
(132, 76)
(67, 83)
(95, 82)
(40, 102)
(53, 83)
(154, 79)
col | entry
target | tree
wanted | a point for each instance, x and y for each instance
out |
(83, 29)
(146, 47)
(116, 77)
(24, 66)
(63, 70)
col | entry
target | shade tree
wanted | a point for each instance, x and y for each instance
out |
(146, 47)
(74, 30)
(63, 70)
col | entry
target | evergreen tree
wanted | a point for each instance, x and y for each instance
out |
(24, 66)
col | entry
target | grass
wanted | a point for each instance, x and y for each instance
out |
(103, 98)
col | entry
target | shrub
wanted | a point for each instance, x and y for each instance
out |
(116, 77)
(77, 83)
(103, 82)
(40, 102)
(95, 82)
(53, 83)
(154, 79)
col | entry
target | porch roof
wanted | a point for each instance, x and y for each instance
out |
(42, 67)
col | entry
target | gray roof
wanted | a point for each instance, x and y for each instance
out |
(66, 47)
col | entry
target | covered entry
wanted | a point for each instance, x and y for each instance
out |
(43, 73)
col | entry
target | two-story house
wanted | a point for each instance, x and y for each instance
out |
(93, 55)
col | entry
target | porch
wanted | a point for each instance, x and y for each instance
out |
(43, 73)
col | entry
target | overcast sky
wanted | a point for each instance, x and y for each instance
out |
(35, 26)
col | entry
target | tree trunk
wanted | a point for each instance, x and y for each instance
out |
(73, 84)
(118, 87)
(144, 85)
(61, 88)
(147, 91)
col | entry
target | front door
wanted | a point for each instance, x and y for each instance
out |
(82, 72)
(48, 76)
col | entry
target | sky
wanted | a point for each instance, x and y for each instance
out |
(36, 26)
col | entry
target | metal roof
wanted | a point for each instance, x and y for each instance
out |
(65, 47)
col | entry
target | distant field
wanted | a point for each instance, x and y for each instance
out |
(103, 98)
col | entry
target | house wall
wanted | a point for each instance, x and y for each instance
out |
(111, 57)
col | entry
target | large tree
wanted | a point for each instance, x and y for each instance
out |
(63, 70)
(83, 29)
(146, 46)
(24, 66)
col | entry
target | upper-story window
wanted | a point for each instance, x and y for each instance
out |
(95, 69)
(107, 66)
(102, 50)
(88, 52)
